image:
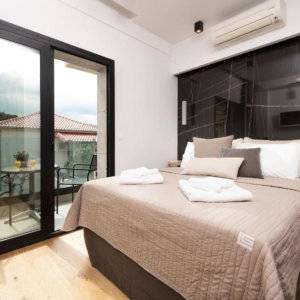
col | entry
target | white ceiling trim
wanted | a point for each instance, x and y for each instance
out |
(119, 22)
(122, 6)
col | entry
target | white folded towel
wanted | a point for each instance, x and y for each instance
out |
(139, 172)
(141, 176)
(211, 184)
(231, 194)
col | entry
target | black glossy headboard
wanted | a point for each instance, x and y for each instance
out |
(245, 96)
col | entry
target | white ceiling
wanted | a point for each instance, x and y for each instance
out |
(173, 20)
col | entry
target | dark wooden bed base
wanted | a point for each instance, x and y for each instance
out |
(130, 278)
(126, 274)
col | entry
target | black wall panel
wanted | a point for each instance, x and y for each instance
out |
(244, 96)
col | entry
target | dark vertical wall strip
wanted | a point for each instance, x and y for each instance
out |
(110, 119)
(47, 139)
(244, 96)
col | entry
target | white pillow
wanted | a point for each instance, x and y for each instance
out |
(253, 141)
(237, 141)
(277, 160)
(188, 154)
(189, 151)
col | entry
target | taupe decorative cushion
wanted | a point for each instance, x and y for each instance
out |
(251, 165)
(211, 147)
(226, 167)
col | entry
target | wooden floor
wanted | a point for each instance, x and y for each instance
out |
(55, 269)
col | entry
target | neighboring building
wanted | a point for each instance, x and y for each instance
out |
(75, 142)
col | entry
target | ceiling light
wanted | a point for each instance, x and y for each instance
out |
(198, 27)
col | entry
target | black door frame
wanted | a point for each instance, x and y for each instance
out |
(46, 46)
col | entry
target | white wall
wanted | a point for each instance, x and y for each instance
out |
(146, 99)
(199, 51)
(146, 92)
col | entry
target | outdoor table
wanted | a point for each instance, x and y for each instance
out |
(11, 173)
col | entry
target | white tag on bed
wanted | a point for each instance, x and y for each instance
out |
(245, 241)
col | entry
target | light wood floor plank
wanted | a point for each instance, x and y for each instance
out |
(57, 269)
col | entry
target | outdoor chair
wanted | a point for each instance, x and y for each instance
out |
(4, 180)
(68, 177)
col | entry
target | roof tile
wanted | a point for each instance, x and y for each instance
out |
(61, 123)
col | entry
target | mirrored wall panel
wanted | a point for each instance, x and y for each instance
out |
(256, 94)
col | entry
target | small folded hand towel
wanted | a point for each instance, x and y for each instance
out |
(230, 194)
(211, 184)
(139, 172)
(141, 176)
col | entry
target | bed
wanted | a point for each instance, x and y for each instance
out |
(154, 244)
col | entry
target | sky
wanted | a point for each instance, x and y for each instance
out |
(19, 79)
(75, 93)
(75, 90)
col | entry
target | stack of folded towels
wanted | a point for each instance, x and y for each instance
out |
(141, 176)
(213, 189)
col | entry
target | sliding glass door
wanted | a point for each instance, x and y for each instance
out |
(56, 131)
(80, 133)
(20, 140)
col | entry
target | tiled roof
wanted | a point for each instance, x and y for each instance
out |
(61, 123)
(69, 137)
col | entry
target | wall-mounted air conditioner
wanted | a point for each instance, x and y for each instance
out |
(258, 19)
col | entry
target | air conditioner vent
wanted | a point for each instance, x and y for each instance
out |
(241, 26)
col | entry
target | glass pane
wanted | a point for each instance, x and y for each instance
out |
(19, 139)
(80, 127)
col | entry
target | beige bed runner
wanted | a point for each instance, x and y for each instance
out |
(248, 250)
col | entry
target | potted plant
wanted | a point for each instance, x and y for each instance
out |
(22, 157)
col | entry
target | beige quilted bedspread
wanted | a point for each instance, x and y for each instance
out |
(192, 247)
